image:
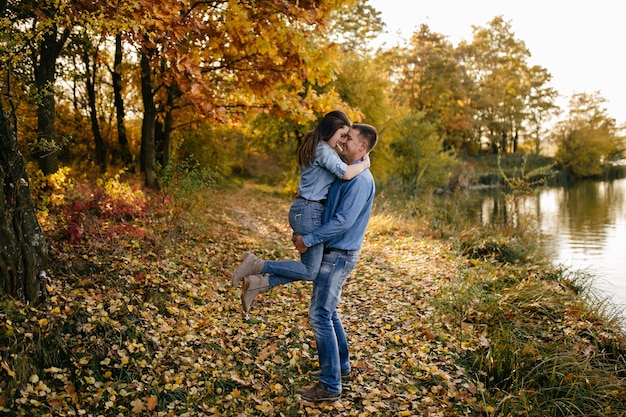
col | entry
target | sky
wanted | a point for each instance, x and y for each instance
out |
(581, 43)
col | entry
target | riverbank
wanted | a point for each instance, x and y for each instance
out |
(142, 320)
(492, 171)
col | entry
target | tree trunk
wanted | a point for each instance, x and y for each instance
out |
(24, 253)
(148, 151)
(538, 139)
(93, 112)
(167, 129)
(163, 134)
(45, 69)
(47, 152)
(119, 103)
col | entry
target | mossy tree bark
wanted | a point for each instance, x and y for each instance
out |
(23, 250)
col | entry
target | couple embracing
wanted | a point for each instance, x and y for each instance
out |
(329, 217)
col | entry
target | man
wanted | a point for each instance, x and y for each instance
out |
(346, 214)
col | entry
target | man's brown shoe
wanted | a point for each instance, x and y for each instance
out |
(250, 265)
(316, 392)
(253, 286)
(347, 377)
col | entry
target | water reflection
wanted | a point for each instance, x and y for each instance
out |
(582, 227)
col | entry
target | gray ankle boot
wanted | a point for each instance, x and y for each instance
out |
(251, 265)
(253, 285)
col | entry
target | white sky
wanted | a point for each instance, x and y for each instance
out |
(581, 43)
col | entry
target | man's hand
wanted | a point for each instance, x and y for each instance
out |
(298, 242)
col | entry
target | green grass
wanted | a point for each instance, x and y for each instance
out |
(542, 344)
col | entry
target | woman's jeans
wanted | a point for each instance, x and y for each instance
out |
(304, 217)
(332, 344)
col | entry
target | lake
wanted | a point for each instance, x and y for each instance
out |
(582, 227)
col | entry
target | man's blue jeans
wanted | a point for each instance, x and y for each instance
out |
(332, 344)
(304, 217)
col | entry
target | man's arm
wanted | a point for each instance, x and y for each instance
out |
(352, 201)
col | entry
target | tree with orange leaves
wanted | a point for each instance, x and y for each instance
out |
(224, 59)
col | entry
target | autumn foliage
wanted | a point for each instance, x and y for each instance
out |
(143, 323)
(142, 319)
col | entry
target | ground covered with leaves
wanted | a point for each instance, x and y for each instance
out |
(142, 319)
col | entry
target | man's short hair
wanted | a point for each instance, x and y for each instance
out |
(368, 133)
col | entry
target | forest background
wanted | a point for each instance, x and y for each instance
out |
(188, 95)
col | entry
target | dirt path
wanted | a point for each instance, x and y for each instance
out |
(263, 216)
